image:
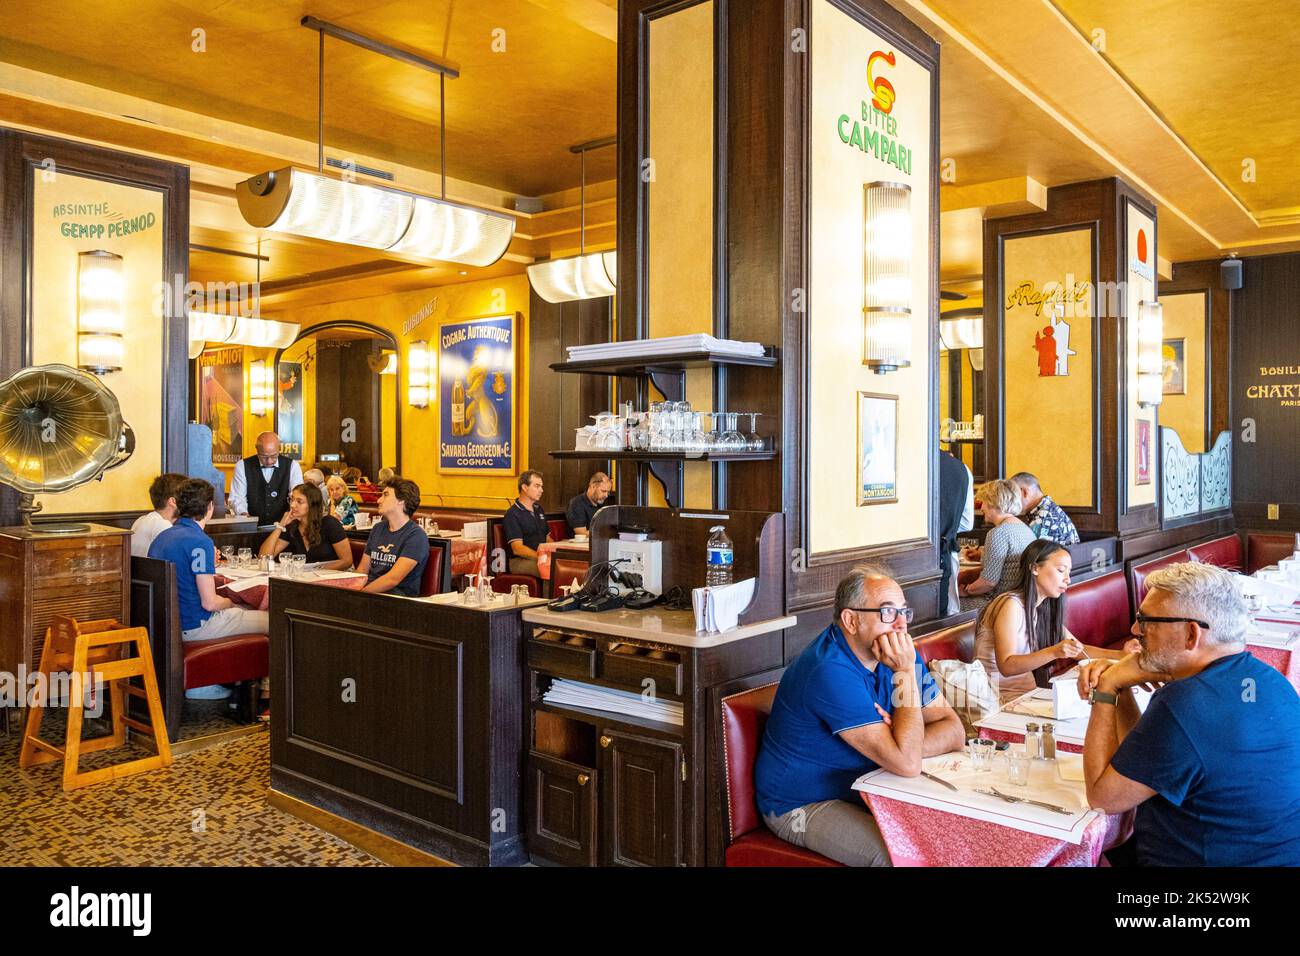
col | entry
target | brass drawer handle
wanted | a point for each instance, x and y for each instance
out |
(605, 741)
(582, 779)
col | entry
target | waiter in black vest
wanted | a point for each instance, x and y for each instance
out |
(262, 482)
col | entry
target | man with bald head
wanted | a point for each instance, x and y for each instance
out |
(859, 697)
(261, 483)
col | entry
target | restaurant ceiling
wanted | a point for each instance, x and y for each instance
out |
(536, 75)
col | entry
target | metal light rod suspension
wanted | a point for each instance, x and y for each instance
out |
(378, 46)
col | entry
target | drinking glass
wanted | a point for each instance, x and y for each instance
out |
(730, 440)
(245, 557)
(286, 562)
(1018, 764)
(981, 754)
(756, 442)
(228, 552)
(299, 565)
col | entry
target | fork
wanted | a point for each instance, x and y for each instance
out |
(1037, 803)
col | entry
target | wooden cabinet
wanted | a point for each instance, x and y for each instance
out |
(561, 801)
(641, 798)
(84, 576)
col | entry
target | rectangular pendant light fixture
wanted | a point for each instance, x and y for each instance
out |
(417, 374)
(887, 276)
(308, 203)
(239, 330)
(577, 277)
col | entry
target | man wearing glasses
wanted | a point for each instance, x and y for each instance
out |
(1213, 765)
(859, 697)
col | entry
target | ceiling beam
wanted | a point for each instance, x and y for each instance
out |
(997, 199)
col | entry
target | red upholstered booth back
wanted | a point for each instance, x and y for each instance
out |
(226, 660)
(1097, 610)
(1265, 549)
(1143, 570)
(566, 571)
(1223, 552)
(956, 643)
(502, 583)
(431, 581)
(744, 715)
(358, 550)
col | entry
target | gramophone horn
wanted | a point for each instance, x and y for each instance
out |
(59, 428)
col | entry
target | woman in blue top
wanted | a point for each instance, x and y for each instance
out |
(341, 504)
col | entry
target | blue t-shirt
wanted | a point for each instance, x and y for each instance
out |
(384, 548)
(1222, 751)
(187, 546)
(826, 690)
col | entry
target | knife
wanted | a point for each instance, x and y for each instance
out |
(936, 779)
(1037, 803)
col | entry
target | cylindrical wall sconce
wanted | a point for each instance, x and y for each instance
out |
(417, 374)
(887, 276)
(259, 388)
(100, 291)
(1150, 360)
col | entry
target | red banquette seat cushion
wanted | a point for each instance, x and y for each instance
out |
(1097, 610)
(1140, 573)
(1265, 549)
(744, 716)
(227, 660)
(1223, 552)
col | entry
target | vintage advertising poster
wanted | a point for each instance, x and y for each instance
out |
(476, 396)
(288, 397)
(221, 402)
(1142, 452)
(877, 448)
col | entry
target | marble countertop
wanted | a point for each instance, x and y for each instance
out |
(666, 627)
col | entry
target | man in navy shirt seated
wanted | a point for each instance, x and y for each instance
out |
(204, 614)
(1213, 766)
(859, 697)
(525, 526)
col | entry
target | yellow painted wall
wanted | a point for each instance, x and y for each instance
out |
(1137, 289)
(138, 387)
(420, 425)
(840, 47)
(1185, 319)
(1049, 423)
(680, 203)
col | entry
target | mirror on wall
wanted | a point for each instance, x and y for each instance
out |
(336, 398)
(1186, 387)
(961, 386)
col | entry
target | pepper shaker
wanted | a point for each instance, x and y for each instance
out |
(1048, 742)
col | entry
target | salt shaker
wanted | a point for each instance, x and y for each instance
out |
(1033, 744)
(1048, 743)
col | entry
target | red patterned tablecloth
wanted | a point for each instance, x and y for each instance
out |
(258, 596)
(1284, 659)
(547, 548)
(1015, 738)
(924, 836)
(468, 556)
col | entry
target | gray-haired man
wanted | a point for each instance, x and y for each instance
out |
(1213, 765)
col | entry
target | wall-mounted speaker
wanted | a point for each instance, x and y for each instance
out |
(1230, 273)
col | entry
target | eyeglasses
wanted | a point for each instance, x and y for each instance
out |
(1144, 619)
(888, 614)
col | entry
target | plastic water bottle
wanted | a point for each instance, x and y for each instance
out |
(718, 572)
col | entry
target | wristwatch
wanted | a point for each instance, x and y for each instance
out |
(279, 527)
(1101, 697)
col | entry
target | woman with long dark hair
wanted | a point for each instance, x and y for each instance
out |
(1024, 630)
(306, 529)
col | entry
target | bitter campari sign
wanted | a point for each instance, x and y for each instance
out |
(877, 131)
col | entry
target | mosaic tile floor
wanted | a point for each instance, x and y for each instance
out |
(207, 809)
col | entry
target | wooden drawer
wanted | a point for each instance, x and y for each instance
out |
(561, 810)
(631, 670)
(78, 562)
(549, 652)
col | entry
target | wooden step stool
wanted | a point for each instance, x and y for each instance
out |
(94, 649)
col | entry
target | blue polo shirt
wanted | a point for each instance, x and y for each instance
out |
(1221, 750)
(825, 691)
(187, 546)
